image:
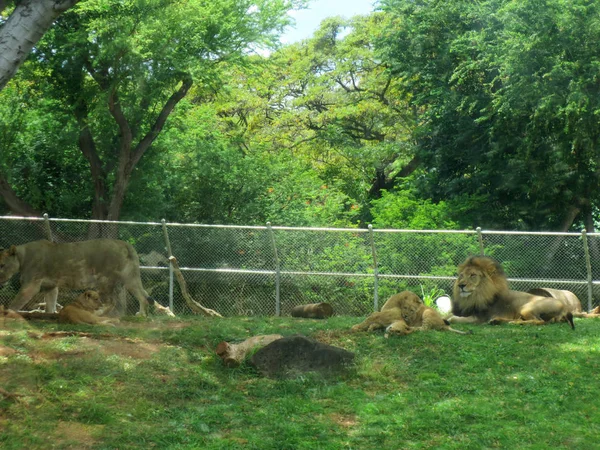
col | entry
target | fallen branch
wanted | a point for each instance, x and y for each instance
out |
(9, 395)
(35, 315)
(234, 354)
(196, 307)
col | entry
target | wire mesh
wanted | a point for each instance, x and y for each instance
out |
(245, 271)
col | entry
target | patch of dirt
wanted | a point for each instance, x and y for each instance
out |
(7, 351)
(75, 435)
(345, 421)
(127, 348)
(137, 350)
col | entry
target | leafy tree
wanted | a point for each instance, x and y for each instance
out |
(508, 97)
(330, 103)
(120, 68)
(405, 210)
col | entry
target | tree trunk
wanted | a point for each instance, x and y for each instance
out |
(234, 354)
(129, 156)
(570, 216)
(23, 29)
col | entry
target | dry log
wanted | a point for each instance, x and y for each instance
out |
(196, 307)
(234, 354)
(313, 311)
(35, 315)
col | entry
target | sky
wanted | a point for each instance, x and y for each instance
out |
(308, 20)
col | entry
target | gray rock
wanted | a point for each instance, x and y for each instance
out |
(293, 355)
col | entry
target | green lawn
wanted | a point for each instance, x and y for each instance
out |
(158, 384)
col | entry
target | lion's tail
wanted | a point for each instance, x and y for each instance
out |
(569, 318)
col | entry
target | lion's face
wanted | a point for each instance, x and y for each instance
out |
(468, 280)
(398, 328)
(479, 280)
(9, 264)
(89, 300)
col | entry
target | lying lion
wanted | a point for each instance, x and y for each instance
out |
(418, 317)
(402, 314)
(82, 311)
(390, 312)
(481, 294)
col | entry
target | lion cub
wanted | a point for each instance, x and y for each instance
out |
(82, 311)
(392, 311)
(418, 317)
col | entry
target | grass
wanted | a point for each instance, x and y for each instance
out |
(158, 384)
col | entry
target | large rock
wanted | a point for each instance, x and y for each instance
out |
(293, 355)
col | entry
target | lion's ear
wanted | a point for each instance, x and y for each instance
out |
(12, 251)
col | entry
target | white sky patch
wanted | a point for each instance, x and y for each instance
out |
(308, 20)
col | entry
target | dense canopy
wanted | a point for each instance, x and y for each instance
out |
(423, 114)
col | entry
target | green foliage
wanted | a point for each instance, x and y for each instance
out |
(403, 210)
(431, 296)
(500, 86)
(421, 115)
(113, 71)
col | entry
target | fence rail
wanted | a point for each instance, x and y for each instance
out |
(267, 270)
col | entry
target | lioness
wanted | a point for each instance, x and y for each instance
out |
(404, 313)
(46, 266)
(419, 317)
(313, 311)
(390, 312)
(81, 311)
(481, 294)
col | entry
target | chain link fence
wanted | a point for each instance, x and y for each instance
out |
(265, 270)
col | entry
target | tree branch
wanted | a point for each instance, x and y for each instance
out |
(16, 205)
(176, 97)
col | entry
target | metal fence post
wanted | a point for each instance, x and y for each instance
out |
(480, 239)
(170, 252)
(375, 271)
(588, 267)
(47, 227)
(277, 271)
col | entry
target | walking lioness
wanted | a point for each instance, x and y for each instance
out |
(46, 266)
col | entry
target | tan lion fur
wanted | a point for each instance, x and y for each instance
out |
(481, 294)
(420, 317)
(82, 311)
(100, 264)
(379, 320)
(417, 317)
(402, 314)
(398, 328)
(390, 312)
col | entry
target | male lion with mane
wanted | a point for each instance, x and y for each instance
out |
(481, 294)
(47, 266)
(82, 311)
